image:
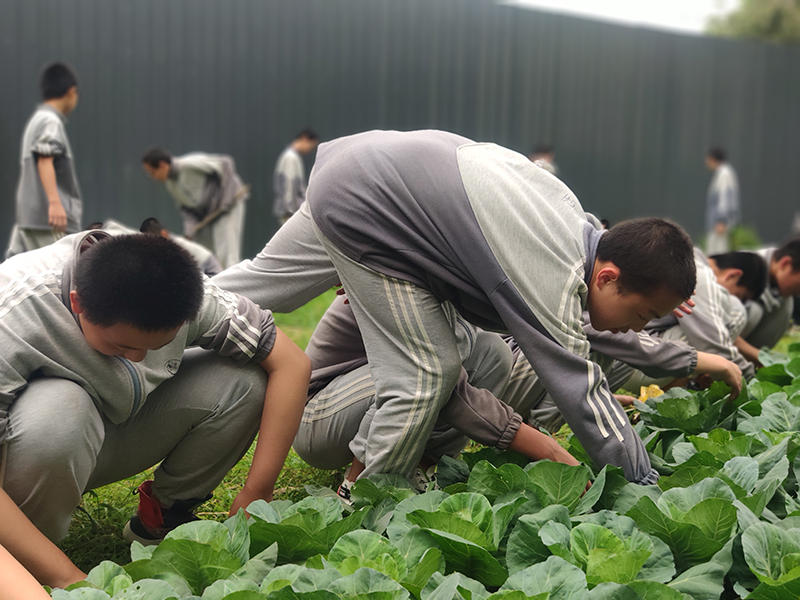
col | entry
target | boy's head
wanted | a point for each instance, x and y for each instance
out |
(153, 226)
(306, 141)
(156, 162)
(542, 152)
(59, 83)
(133, 293)
(643, 270)
(784, 269)
(743, 274)
(715, 157)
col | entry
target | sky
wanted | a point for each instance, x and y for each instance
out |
(682, 16)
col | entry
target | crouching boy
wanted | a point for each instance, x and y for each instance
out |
(97, 384)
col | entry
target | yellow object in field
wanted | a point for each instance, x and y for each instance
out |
(651, 391)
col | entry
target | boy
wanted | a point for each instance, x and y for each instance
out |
(409, 220)
(209, 194)
(769, 315)
(97, 385)
(718, 317)
(289, 180)
(722, 202)
(48, 196)
(205, 259)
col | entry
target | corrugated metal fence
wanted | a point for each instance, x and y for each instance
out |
(630, 111)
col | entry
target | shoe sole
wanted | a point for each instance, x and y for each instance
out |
(129, 535)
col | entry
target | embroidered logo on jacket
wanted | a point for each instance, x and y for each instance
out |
(171, 366)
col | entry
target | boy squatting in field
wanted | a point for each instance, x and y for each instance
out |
(406, 221)
(341, 402)
(98, 385)
(769, 316)
(718, 317)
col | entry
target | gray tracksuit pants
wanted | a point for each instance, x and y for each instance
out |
(199, 424)
(337, 420)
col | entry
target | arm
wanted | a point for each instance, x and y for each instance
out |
(289, 370)
(34, 551)
(56, 215)
(720, 369)
(747, 350)
(538, 446)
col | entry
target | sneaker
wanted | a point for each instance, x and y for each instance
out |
(152, 521)
(344, 491)
(424, 480)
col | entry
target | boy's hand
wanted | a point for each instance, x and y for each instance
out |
(721, 369)
(57, 217)
(245, 498)
(684, 309)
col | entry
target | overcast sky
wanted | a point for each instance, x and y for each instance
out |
(684, 16)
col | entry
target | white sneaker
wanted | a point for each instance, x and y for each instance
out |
(344, 491)
(422, 480)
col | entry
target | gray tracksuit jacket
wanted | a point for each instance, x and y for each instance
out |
(717, 319)
(770, 315)
(41, 336)
(201, 184)
(503, 240)
(46, 135)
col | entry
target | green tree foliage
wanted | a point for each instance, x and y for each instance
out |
(768, 20)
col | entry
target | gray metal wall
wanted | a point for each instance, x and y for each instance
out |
(631, 111)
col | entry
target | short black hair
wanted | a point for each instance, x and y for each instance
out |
(752, 266)
(652, 255)
(155, 155)
(56, 80)
(151, 225)
(543, 149)
(717, 153)
(307, 133)
(792, 250)
(605, 223)
(95, 225)
(145, 281)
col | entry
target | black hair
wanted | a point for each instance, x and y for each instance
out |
(151, 225)
(605, 223)
(144, 281)
(752, 266)
(652, 255)
(307, 133)
(717, 153)
(95, 225)
(792, 250)
(155, 155)
(56, 80)
(543, 149)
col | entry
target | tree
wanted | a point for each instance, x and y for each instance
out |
(769, 20)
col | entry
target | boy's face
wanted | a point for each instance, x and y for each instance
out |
(612, 309)
(788, 280)
(159, 173)
(121, 339)
(71, 98)
(729, 279)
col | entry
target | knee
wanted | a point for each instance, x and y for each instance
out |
(53, 423)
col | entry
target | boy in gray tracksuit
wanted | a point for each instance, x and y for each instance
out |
(769, 315)
(209, 194)
(48, 196)
(718, 317)
(97, 384)
(409, 220)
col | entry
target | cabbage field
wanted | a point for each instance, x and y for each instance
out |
(723, 522)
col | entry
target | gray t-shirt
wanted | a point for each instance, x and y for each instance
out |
(45, 135)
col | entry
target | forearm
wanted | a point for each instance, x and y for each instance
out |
(747, 349)
(538, 446)
(16, 583)
(33, 550)
(285, 399)
(47, 174)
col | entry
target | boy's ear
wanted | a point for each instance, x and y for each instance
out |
(75, 302)
(608, 274)
(733, 275)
